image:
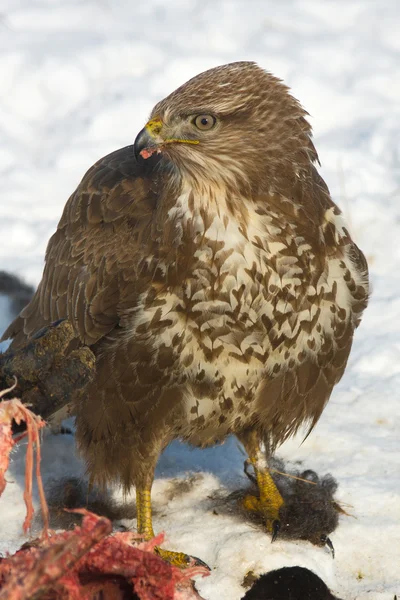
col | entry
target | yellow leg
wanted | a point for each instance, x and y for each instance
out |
(270, 500)
(144, 516)
(145, 527)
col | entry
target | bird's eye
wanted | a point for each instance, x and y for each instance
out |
(204, 122)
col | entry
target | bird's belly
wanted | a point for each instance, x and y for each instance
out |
(220, 359)
(219, 364)
(244, 313)
(220, 398)
(224, 358)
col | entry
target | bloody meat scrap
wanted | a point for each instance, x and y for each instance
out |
(14, 410)
(89, 562)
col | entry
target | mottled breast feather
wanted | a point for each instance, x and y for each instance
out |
(260, 307)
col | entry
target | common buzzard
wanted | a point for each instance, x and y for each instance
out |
(214, 279)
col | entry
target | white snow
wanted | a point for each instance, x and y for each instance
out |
(78, 79)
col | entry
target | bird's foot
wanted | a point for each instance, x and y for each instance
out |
(268, 509)
(180, 559)
(269, 501)
(145, 528)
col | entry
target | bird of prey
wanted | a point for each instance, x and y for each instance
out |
(213, 277)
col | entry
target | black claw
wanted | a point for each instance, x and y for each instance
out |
(327, 541)
(198, 562)
(247, 465)
(276, 527)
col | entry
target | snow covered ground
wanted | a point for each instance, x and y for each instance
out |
(77, 80)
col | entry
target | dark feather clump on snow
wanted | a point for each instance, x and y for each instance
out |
(18, 292)
(289, 583)
(72, 492)
(310, 511)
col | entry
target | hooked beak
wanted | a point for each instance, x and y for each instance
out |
(143, 141)
(148, 138)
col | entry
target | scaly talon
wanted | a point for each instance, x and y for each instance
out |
(267, 510)
(145, 527)
(180, 559)
(270, 501)
(252, 503)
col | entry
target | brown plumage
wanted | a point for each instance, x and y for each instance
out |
(211, 274)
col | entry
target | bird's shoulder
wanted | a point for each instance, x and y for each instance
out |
(90, 272)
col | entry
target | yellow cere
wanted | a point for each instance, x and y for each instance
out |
(154, 127)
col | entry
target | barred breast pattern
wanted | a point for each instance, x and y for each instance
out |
(259, 299)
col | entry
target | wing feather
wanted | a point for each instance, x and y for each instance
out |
(95, 248)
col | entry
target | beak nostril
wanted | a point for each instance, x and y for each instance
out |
(154, 127)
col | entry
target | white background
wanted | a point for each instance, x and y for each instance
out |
(78, 79)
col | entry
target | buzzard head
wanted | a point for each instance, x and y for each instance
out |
(235, 124)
